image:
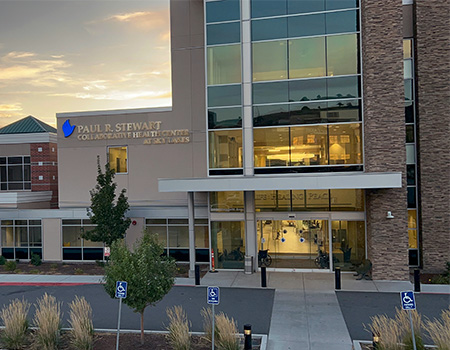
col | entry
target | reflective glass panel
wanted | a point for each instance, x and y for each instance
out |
(342, 22)
(345, 144)
(271, 147)
(225, 118)
(271, 115)
(307, 90)
(27, 172)
(412, 239)
(407, 69)
(349, 243)
(2, 160)
(226, 10)
(308, 113)
(228, 201)
(412, 197)
(342, 55)
(305, 6)
(117, 157)
(340, 4)
(270, 92)
(408, 90)
(15, 173)
(307, 58)
(225, 149)
(201, 237)
(161, 232)
(273, 200)
(345, 87)
(409, 133)
(344, 111)
(224, 33)
(224, 64)
(228, 243)
(409, 112)
(178, 236)
(270, 60)
(412, 218)
(264, 8)
(410, 154)
(317, 200)
(7, 237)
(411, 174)
(224, 96)
(267, 29)
(298, 200)
(306, 25)
(407, 50)
(35, 236)
(14, 160)
(347, 200)
(71, 236)
(309, 145)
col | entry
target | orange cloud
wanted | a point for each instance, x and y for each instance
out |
(10, 107)
(140, 19)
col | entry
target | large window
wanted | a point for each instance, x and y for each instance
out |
(74, 246)
(118, 159)
(21, 238)
(225, 149)
(15, 173)
(228, 244)
(173, 234)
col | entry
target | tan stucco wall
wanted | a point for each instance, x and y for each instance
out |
(18, 149)
(51, 240)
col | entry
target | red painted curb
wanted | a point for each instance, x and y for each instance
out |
(44, 284)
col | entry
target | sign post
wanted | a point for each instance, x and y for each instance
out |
(213, 299)
(121, 293)
(408, 303)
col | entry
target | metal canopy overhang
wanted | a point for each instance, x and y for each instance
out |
(287, 182)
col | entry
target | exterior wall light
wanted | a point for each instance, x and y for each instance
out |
(389, 215)
(248, 337)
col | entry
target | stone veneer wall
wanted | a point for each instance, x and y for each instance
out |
(384, 135)
(433, 96)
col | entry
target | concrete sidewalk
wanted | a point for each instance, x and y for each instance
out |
(306, 314)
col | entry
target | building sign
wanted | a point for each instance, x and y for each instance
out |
(151, 132)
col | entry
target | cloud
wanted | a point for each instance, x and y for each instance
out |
(16, 54)
(144, 20)
(118, 95)
(10, 107)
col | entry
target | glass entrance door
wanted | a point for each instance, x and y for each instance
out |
(301, 244)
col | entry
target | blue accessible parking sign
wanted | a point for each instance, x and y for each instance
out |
(121, 289)
(213, 295)
(408, 302)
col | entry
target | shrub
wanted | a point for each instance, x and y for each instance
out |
(78, 271)
(10, 265)
(82, 333)
(34, 272)
(14, 318)
(387, 330)
(2, 260)
(228, 336)
(48, 321)
(54, 266)
(439, 331)
(100, 263)
(35, 260)
(178, 328)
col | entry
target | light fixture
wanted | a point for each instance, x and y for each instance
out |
(389, 215)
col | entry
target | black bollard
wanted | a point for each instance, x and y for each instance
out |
(337, 278)
(417, 280)
(197, 275)
(263, 277)
(248, 337)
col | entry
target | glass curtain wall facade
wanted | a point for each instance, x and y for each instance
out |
(21, 238)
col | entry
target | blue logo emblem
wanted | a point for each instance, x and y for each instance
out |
(67, 128)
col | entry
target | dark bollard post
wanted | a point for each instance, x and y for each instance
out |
(263, 277)
(248, 337)
(337, 277)
(197, 275)
(417, 280)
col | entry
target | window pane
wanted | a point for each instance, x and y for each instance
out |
(347, 87)
(306, 25)
(412, 239)
(345, 144)
(412, 218)
(21, 237)
(408, 90)
(309, 145)
(224, 64)
(270, 92)
(223, 33)
(35, 222)
(155, 221)
(71, 236)
(342, 55)
(201, 237)
(271, 147)
(229, 201)
(341, 4)
(35, 236)
(412, 197)
(344, 111)
(15, 186)
(226, 10)
(71, 222)
(264, 8)
(161, 231)
(26, 160)
(308, 113)
(88, 243)
(3, 173)
(225, 118)
(307, 90)
(317, 200)
(27, 173)
(407, 51)
(178, 237)
(307, 58)
(270, 60)
(7, 237)
(410, 154)
(411, 174)
(342, 22)
(178, 221)
(271, 115)
(2, 160)
(409, 133)
(225, 149)
(118, 159)
(228, 243)
(304, 6)
(407, 69)
(267, 29)
(224, 96)
(347, 200)
(14, 160)
(15, 173)
(409, 112)
(348, 239)
(273, 200)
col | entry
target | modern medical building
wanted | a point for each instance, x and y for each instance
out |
(303, 127)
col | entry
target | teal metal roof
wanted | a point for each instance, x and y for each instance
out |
(26, 126)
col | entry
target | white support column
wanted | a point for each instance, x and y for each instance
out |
(250, 227)
(191, 234)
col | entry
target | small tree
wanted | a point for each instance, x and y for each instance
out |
(105, 212)
(149, 273)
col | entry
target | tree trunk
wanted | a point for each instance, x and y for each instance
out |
(142, 328)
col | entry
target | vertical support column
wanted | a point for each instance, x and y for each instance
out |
(247, 115)
(250, 226)
(191, 234)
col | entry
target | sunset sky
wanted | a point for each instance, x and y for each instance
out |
(68, 56)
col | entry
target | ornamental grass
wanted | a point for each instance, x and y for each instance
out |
(82, 329)
(178, 337)
(47, 319)
(14, 318)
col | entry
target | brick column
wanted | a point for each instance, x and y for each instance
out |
(433, 95)
(384, 135)
(44, 169)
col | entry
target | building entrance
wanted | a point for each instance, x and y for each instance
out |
(298, 244)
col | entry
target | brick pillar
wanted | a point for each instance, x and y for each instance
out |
(433, 95)
(44, 169)
(384, 135)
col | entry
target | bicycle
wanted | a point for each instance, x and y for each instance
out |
(264, 258)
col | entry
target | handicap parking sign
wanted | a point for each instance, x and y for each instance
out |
(408, 302)
(213, 295)
(121, 289)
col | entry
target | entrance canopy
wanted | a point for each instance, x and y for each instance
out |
(283, 182)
